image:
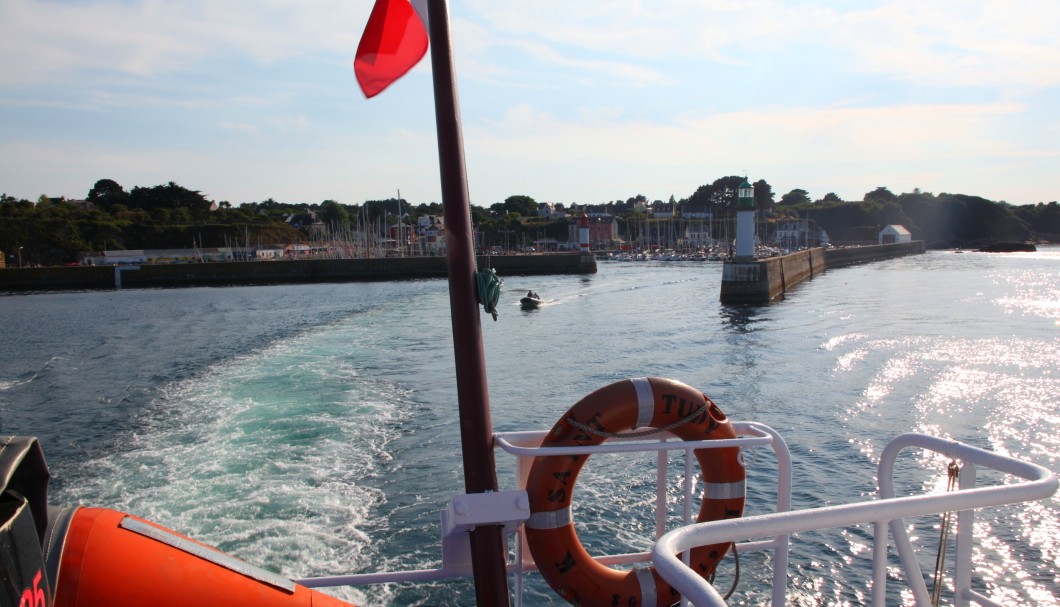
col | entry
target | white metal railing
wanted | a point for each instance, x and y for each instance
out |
(1039, 483)
(511, 509)
(525, 446)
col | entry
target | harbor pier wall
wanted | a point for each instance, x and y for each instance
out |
(766, 280)
(848, 256)
(55, 278)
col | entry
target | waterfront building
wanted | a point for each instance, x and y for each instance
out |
(895, 233)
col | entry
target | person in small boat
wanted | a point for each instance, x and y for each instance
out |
(529, 293)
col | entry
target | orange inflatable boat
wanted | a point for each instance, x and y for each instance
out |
(95, 557)
(109, 558)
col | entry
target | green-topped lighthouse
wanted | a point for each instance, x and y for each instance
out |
(745, 223)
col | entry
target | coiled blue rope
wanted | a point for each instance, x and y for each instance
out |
(489, 290)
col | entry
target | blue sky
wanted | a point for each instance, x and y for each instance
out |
(564, 101)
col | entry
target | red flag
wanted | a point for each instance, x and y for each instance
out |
(394, 41)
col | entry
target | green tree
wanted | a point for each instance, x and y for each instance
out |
(107, 193)
(639, 198)
(724, 195)
(384, 210)
(1044, 218)
(479, 216)
(169, 196)
(701, 197)
(334, 214)
(436, 209)
(180, 215)
(763, 193)
(796, 196)
(880, 194)
(524, 205)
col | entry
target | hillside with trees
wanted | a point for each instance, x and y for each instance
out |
(944, 220)
(53, 231)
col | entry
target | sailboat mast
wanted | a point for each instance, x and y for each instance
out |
(488, 557)
(400, 227)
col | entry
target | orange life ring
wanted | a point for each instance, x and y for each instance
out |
(626, 405)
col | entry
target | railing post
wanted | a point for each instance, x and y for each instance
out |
(962, 557)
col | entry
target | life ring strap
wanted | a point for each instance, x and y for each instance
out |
(645, 401)
(725, 491)
(550, 519)
(647, 587)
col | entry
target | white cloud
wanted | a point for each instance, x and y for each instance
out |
(996, 43)
(291, 124)
(849, 150)
(248, 130)
(50, 41)
(992, 43)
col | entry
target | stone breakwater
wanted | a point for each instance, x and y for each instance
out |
(766, 280)
(57, 278)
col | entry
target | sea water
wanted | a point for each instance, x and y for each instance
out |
(312, 429)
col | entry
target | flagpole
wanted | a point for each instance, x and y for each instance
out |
(488, 556)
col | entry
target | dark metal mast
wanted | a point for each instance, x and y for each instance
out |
(488, 557)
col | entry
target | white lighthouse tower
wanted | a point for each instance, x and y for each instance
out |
(745, 223)
(746, 280)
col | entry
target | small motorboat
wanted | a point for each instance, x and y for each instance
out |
(531, 301)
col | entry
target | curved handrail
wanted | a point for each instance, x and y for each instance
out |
(954, 450)
(527, 444)
(1041, 483)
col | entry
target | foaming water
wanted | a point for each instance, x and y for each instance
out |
(270, 454)
(312, 430)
